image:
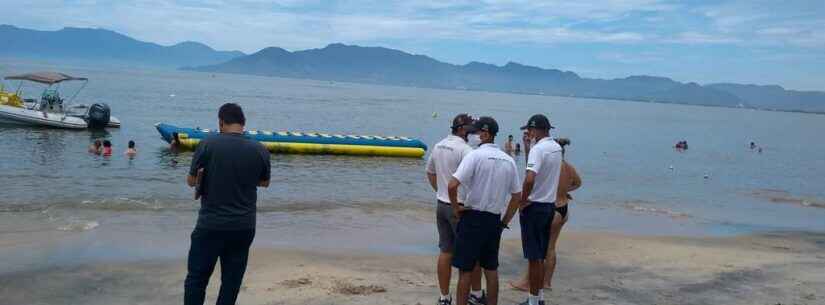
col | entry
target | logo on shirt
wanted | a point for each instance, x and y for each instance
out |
(445, 147)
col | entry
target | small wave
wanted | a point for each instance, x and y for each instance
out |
(79, 226)
(783, 196)
(641, 207)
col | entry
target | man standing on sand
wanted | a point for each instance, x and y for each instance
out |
(444, 160)
(491, 176)
(525, 138)
(232, 168)
(508, 146)
(541, 181)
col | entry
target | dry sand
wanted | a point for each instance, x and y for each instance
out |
(595, 268)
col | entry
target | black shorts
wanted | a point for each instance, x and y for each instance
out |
(535, 229)
(478, 236)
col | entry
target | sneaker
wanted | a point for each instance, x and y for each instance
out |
(444, 301)
(478, 301)
(527, 302)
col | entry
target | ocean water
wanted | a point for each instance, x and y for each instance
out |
(634, 181)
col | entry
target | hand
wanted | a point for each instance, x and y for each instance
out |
(524, 204)
(459, 211)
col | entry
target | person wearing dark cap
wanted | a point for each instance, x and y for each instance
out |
(493, 185)
(442, 163)
(538, 196)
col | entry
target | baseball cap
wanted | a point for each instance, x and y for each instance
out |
(462, 120)
(487, 124)
(538, 121)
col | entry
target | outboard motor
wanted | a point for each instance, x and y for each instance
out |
(98, 116)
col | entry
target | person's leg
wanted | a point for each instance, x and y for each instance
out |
(445, 270)
(446, 225)
(522, 284)
(233, 264)
(492, 286)
(476, 280)
(203, 254)
(463, 289)
(468, 243)
(536, 274)
(550, 261)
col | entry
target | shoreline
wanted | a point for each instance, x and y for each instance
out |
(594, 268)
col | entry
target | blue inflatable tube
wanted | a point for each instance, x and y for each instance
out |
(308, 143)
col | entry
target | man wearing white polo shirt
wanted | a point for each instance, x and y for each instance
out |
(442, 163)
(491, 178)
(538, 201)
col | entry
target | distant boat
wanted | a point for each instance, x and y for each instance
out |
(51, 110)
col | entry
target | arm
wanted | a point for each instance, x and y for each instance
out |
(575, 180)
(431, 177)
(512, 208)
(433, 182)
(527, 188)
(199, 159)
(191, 180)
(452, 189)
(266, 174)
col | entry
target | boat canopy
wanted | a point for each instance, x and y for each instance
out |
(48, 78)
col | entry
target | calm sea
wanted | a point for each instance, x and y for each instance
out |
(634, 181)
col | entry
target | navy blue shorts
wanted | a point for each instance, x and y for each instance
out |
(478, 236)
(535, 221)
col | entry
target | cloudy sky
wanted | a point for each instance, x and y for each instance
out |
(748, 41)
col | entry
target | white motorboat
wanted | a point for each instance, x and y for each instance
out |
(50, 110)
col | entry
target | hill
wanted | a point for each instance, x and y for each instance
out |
(100, 45)
(377, 65)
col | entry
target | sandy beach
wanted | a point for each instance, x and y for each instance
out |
(594, 268)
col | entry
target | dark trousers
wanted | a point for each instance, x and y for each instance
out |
(232, 247)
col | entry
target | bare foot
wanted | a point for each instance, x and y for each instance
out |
(520, 285)
(548, 286)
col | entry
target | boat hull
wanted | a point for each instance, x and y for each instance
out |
(309, 143)
(26, 117)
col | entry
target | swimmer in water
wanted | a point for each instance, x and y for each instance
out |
(94, 148)
(175, 144)
(131, 151)
(107, 148)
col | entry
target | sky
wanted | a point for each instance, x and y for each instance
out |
(743, 41)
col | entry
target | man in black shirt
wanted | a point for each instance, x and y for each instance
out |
(232, 166)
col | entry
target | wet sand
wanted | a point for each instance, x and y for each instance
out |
(594, 268)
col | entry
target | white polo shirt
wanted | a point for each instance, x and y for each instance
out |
(545, 160)
(491, 176)
(444, 160)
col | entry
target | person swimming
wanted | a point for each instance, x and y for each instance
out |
(94, 148)
(131, 151)
(174, 145)
(107, 148)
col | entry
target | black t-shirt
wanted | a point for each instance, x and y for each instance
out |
(233, 166)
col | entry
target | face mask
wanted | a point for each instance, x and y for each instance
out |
(474, 140)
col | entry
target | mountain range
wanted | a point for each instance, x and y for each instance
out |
(100, 45)
(378, 65)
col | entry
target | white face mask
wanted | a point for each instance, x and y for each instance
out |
(474, 140)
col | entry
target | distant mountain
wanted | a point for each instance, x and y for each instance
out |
(775, 97)
(102, 45)
(339, 62)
